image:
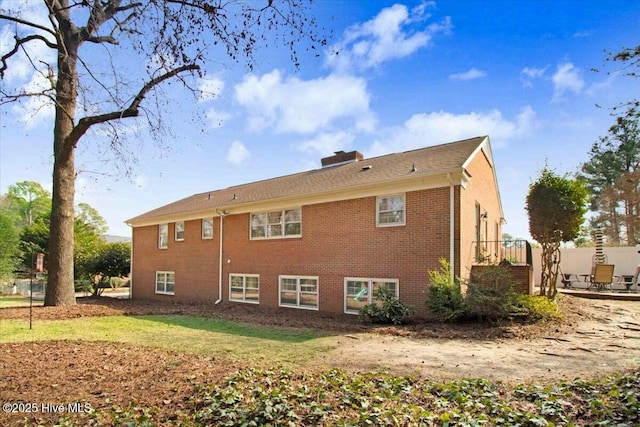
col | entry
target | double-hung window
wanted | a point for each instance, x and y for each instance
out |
(165, 282)
(276, 224)
(390, 210)
(298, 292)
(179, 231)
(359, 292)
(207, 228)
(163, 236)
(244, 288)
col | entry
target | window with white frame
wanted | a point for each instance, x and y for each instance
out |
(276, 224)
(179, 231)
(207, 228)
(299, 292)
(359, 292)
(244, 288)
(390, 210)
(165, 282)
(163, 236)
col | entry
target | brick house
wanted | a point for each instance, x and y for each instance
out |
(324, 239)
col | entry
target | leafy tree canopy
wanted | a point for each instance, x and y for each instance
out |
(556, 206)
(29, 201)
(8, 245)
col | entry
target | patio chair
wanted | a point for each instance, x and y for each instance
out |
(602, 276)
(568, 280)
(627, 281)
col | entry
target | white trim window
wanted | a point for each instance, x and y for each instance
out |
(298, 292)
(165, 282)
(276, 224)
(390, 210)
(207, 228)
(359, 292)
(163, 236)
(179, 231)
(244, 288)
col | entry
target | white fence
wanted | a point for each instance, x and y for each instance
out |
(23, 287)
(578, 261)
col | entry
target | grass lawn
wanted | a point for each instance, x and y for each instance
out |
(18, 301)
(213, 337)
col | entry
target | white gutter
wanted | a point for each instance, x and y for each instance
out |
(222, 215)
(451, 226)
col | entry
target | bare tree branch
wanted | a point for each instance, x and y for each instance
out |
(102, 39)
(27, 23)
(131, 111)
(101, 13)
(20, 42)
(15, 97)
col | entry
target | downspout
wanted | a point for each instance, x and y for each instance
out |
(451, 226)
(222, 215)
(131, 265)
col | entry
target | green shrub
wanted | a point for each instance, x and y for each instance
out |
(491, 295)
(535, 308)
(490, 302)
(387, 308)
(445, 298)
(82, 285)
(115, 282)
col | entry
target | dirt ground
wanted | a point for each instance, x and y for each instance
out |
(598, 337)
(594, 338)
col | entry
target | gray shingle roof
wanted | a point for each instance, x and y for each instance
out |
(429, 161)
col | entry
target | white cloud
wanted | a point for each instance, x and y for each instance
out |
(37, 109)
(529, 74)
(141, 181)
(390, 35)
(297, 106)
(583, 34)
(217, 118)
(471, 74)
(327, 143)
(237, 153)
(210, 88)
(567, 78)
(425, 129)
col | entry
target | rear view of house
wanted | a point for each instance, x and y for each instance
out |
(324, 239)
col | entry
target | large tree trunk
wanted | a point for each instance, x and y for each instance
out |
(60, 287)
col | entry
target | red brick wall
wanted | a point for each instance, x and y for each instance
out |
(480, 189)
(339, 239)
(195, 262)
(522, 277)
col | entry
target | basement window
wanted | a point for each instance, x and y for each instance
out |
(244, 288)
(298, 292)
(165, 282)
(359, 292)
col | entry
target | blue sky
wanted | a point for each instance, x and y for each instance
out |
(408, 74)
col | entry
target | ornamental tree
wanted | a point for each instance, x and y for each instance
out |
(556, 206)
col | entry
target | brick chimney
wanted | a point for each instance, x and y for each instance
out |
(340, 157)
